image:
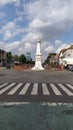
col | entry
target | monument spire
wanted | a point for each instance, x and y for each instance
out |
(38, 62)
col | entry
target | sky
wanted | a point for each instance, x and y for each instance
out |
(22, 22)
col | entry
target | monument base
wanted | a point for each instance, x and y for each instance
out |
(38, 66)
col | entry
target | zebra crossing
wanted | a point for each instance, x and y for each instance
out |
(36, 92)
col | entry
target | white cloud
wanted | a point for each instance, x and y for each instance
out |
(17, 47)
(30, 37)
(58, 42)
(50, 18)
(36, 23)
(44, 44)
(28, 46)
(46, 19)
(3, 2)
(17, 3)
(7, 35)
(2, 46)
(20, 18)
(49, 49)
(10, 30)
(63, 46)
(12, 46)
(8, 27)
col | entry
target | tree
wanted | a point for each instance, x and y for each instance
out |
(16, 58)
(50, 58)
(22, 58)
(9, 57)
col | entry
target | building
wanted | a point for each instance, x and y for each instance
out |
(66, 56)
(2, 57)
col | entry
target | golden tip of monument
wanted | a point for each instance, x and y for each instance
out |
(38, 39)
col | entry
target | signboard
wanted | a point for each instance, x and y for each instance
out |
(28, 56)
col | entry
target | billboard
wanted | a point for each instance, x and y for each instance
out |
(28, 56)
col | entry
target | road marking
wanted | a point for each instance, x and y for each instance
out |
(65, 90)
(1, 86)
(25, 88)
(34, 89)
(70, 86)
(43, 104)
(15, 89)
(6, 88)
(56, 104)
(54, 88)
(45, 89)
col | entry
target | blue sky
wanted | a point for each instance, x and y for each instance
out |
(23, 21)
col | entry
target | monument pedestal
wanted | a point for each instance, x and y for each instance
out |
(38, 63)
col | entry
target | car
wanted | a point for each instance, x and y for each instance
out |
(69, 67)
(72, 68)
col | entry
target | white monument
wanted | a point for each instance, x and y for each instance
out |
(38, 63)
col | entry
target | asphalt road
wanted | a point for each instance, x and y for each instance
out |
(36, 86)
(51, 113)
(9, 75)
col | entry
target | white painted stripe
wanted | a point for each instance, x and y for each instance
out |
(35, 89)
(24, 89)
(3, 85)
(15, 89)
(43, 104)
(70, 86)
(65, 90)
(6, 88)
(52, 104)
(45, 89)
(54, 88)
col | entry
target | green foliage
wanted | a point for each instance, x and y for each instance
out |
(30, 61)
(22, 58)
(16, 58)
(9, 57)
(47, 61)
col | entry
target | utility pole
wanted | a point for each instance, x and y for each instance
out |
(1, 56)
